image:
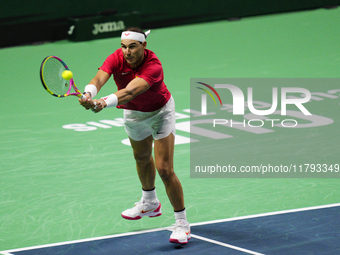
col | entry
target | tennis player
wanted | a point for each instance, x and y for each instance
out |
(149, 117)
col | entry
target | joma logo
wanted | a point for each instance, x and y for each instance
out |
(108, 27)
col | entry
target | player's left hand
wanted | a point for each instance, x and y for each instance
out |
(86, 102)
(98, 105)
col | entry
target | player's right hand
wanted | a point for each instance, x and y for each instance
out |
(98, 105)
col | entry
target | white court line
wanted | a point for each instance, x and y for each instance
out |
(266, 214)
(8, 252)
(226, 245)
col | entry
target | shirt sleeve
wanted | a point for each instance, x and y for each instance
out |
(152, 73)
(111, 64)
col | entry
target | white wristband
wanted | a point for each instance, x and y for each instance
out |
(92, 89)
(111, 100)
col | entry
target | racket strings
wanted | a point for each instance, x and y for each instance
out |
(52, 75)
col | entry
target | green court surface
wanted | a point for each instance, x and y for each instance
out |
(58, 184)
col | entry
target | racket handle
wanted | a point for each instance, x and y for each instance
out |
(83, 97)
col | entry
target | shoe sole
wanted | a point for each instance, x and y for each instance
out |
(178, 241)
(139, 217)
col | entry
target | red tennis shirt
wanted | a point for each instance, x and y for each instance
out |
(151, 71)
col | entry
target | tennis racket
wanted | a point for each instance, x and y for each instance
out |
(51, 71)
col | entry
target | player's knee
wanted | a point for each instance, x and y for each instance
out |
(142, 157)
(165, 172)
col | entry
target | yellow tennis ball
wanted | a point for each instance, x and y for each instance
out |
(67, 75)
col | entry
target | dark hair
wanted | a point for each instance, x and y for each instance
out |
(135, 29)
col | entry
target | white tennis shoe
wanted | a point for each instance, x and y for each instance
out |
(142, 209)
(181, 233)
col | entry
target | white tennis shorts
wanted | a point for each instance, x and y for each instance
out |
(159, 124)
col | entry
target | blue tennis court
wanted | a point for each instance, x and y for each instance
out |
(307, 231)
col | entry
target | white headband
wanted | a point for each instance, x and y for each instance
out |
(134, 35)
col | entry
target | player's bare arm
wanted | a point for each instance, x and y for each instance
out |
(134, 88)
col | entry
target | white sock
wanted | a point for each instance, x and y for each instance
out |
(149, 195)
(182, 215)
